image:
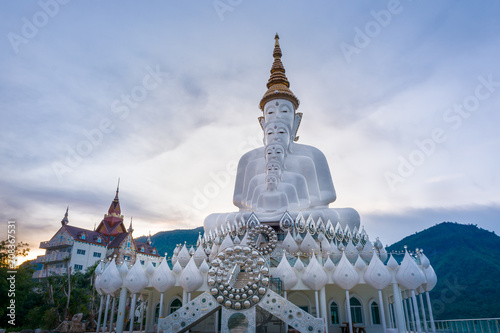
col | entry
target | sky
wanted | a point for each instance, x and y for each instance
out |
(402, 97)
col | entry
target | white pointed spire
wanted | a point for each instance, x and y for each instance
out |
(123, 269)
(314, 276)
(190, 278)
(329, 265)
(360, 264)
(409, 274)
(183, 256)
(345, 274)
(367, 251)
(351, 252)
(136, 279)
(392, 263)
(286, 273)
(289, 244)
(150, 269)
(431, 278)
(299, 265)
(204, 267)
(325, 247)
(177, 268)
(335, 254)
(377, 274)
(199, 255)
(111, 279)
(309, 245)
(163, 278)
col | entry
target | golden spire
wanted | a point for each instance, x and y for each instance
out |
(278, 85)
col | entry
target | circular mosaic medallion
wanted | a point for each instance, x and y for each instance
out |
(239, 277)
(262, 238)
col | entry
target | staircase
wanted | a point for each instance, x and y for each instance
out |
(242, 280)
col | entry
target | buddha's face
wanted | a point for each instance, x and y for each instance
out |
(277, 132)
(279, 109)
(273, 168)
(272, 182)
(275, 153)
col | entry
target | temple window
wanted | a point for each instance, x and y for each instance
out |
(334, 313)
(356, 310)
(375, 313)
(175, 305)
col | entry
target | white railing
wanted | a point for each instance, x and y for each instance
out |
(486, 325)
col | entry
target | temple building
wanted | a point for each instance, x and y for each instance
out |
(77, 248)
(286, 260)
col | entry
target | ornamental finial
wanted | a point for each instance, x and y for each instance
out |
(278, 85)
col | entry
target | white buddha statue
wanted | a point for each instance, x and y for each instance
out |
(290, 182)
(277, 140)
(272, 200)
(280, 123)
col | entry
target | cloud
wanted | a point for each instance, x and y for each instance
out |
(365, 115)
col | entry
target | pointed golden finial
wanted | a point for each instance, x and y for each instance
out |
(278, 85)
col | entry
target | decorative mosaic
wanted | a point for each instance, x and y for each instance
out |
(291, 314)
(238, 278)
(195, 310)
(267, 245)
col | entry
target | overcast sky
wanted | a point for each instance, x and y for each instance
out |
(401, 96)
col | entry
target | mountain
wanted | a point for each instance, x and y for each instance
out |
(466, 260)
(166, 241)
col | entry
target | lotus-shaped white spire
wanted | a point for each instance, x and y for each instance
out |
(351, 252)
(409, 274)
(309, 245)
(367, 251)
(204, 266)
(325, 247)
(335, 254)
(345, 275)
(111, 280)
(299, 265)
(314, 276)
(377, 274)
(123, 269)
(150, 268)
(190, 278)
(329, 265)
(177, 268)
(199, 255)
(286, 273)
(431, 278)
(163, 278)
(392, 263)
(183, 256)
(136, 279)
(289, 244)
